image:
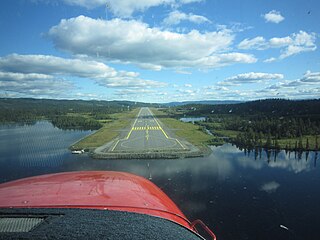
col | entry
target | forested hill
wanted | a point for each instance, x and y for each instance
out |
(25, 109)
(269, 107)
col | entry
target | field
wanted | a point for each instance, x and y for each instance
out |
(188, 131)
(109, 131)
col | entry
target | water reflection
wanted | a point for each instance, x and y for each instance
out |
(192, 119)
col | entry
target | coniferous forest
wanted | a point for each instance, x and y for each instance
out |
(64, 114)
(270, 123)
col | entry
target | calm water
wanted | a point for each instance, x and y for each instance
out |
(192, 119)
(239, 196)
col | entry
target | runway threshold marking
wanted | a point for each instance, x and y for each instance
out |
(147, 128)
(164, 133)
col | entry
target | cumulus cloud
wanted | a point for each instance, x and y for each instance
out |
(135, 42)
(48, 64)
(280, 42)
(176, 17)
(301, 42)
(252, 77)
(311, 77)
(290, 45)
(309, 80)
(40, 71)
(305, 87)
(33, 84)
(273, 17)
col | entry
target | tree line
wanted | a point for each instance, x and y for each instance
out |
(75, 122)
(28, 110)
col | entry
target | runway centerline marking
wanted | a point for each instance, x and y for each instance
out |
(146, 128)
(165, 132)
(129, 131)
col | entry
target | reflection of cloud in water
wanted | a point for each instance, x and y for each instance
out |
(291, 164)
(270, 187)
(220, 165)
(283, 160)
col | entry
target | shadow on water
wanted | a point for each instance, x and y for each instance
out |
(239, 193)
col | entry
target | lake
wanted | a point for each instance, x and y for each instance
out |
(239, 195)
(193, 119)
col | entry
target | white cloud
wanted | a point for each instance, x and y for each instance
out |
(273, 16)
(188, 85)
(48, 64)
(135, 42)
(301, 42)
(252, 77)
(33, 84)
(291, 45)
(311, 77)
(125, 8)
(269, 60)
(127, 82)
(280, 42)
(37, 71)
(90, 4)
(20, 77)
(176, 17)
(305, 87)
(270, 187)
(190, 1)
(254, 43)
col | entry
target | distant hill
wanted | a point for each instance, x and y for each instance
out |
(29, 109)
(24, 103)
(204, 102)
(269, 107)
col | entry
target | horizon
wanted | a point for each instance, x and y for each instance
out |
(161, 51)
(189, 102)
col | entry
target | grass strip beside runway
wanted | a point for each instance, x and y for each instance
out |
(188, 131)
(109, 131)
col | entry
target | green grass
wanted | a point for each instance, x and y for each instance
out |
(227, 133)
(291, 142)
(109, 131)
(188, 131)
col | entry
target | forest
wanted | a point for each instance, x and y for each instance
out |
(271, 123)
(65, 114)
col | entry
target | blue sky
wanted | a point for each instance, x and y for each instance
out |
(160, 50)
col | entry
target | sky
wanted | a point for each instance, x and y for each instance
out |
(160, 50)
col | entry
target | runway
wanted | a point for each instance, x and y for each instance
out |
(146, 134)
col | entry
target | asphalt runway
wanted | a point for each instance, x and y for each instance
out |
(146, 134)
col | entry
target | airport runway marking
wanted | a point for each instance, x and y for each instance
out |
(164, 133)
(147, 134)
(129, 132)
(115, 145)
(147, 128)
